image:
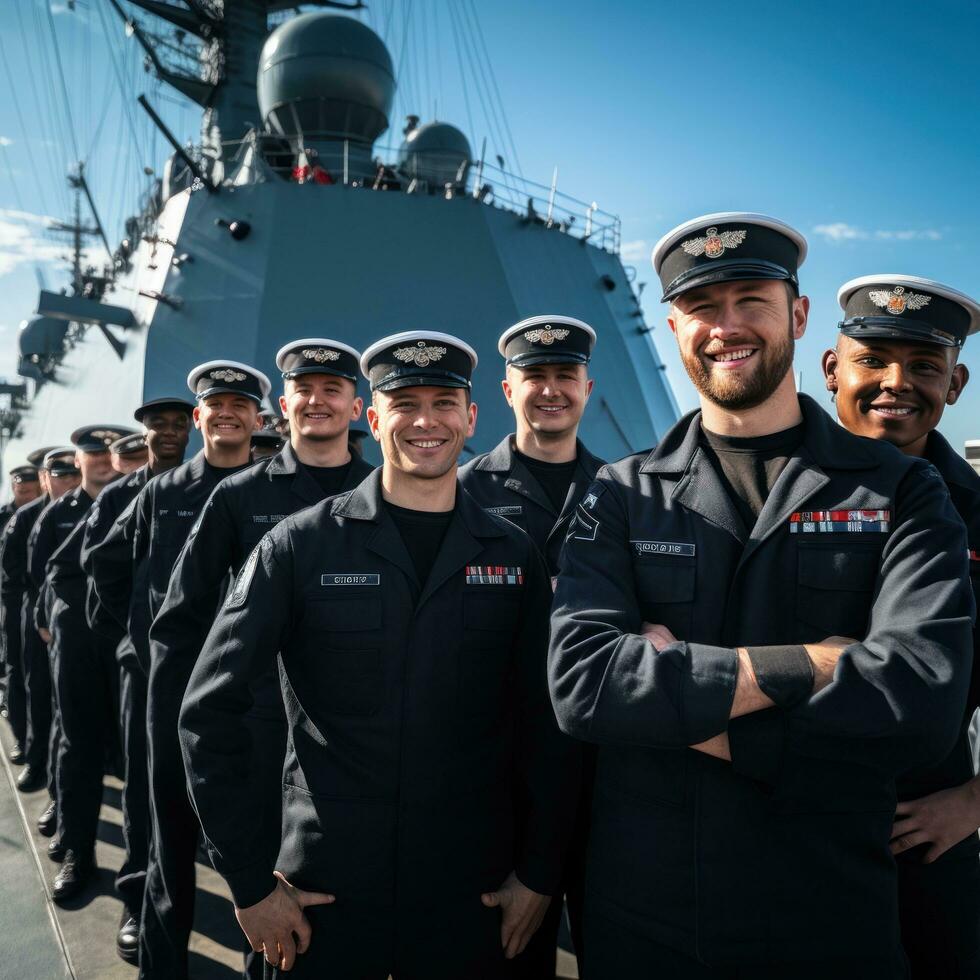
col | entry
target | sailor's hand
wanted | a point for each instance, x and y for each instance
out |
(523, 912)
(44, 634)
(940, 820)
(277, 925)
(824, 656)
(658, 635)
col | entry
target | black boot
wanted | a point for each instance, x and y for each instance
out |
(73, 876)
(16, 755)
(47, 823)
(128, 938)
(31, 778)
(56, 851)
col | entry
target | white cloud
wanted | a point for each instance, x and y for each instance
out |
(22, 240)
(6, 141)
(634, 251)
(840, 231)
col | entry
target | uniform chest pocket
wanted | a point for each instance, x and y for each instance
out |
(341, 646)
(666, 590)
(835, 585)
(490, 621)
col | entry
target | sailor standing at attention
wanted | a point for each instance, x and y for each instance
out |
(894, 370)
(112, 579)
(761, 623)
(412, 631)
(229, 395)
(320, 401)
(535, 478)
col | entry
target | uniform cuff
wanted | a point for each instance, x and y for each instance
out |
(709, 691)
(250, 885)
(783, 673)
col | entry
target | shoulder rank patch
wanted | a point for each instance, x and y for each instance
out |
(592, 497)
(584, 526)
(494, 575)
(670, 548)
(840, 521)
(244, 581)
(508, 510)
(350, 578)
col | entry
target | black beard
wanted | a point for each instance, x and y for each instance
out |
(736, 394)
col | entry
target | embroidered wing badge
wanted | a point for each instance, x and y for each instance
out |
(898, 300)
(226, 374)
(320, 354)
(420, 355)
(712, 244)
(546, 336)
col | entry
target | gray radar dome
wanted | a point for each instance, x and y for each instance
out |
(325, 74)
(437, 153)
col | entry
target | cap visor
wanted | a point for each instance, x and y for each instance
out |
(319, 369)
(529, 360)
(880, 332)
(728, 273)
(228, 391)
(420, 381)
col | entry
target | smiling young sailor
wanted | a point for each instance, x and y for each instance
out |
(320, 401)
(893, 372)
(412, 631)
(535, 478)
(761, 623)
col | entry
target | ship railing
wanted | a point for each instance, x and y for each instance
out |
(320, 158)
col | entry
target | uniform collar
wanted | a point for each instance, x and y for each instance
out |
(952, 467)
(364, 503)
(503, 456)
(828, 444)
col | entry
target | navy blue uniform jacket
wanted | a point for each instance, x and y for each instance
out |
(413, 711)
(782, 854)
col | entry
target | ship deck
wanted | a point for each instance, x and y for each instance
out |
(45, 941)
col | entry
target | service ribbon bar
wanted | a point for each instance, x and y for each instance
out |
(494, 575)
(974, 554)
(840, 521)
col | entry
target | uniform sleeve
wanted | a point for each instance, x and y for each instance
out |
(608, 683)
(550, 763)
(64, 563)
(243, 643)
(40, 549)
(193, 597)
(109, 563)
(897, 698)
(13, 566)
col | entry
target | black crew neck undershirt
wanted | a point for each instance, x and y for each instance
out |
(330, 479)
(749, 468)
(555, 478)
(423, 533)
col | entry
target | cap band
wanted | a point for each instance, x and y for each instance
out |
(445, 379)
(889, 327)
(732, 270)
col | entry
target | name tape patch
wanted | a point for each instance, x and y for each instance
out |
(676, 548)
(507, 510)
(494, 575)
(350, 578)
(840, 521)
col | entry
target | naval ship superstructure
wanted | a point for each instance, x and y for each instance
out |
(291, 219)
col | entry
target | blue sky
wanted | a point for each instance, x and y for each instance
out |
(857, 123)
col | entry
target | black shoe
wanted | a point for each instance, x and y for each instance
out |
(31, 778)
(16, 755)
(128, 938)
(56, 851)
(47, 823)
(73, 876)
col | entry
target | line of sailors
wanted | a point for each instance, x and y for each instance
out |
(746, 753)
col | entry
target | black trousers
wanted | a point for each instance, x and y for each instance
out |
(38, 695)
(16, 690)
(458, 941)
(85, 668)
(939, 905)
(618, 953)
(131, 879)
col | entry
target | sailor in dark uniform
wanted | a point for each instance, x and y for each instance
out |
(129, 453)
(83, 668)
(536, 477)
(411, 627)
(894, 370)
(166, 429)
(761, 623)
(229, 396)
(44, 537)
(25, 487)
(320, 401)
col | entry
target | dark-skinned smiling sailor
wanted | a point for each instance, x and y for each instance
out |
(412, 632)
(761, 623)
(893, 372)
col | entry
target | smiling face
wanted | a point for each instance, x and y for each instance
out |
(167, 432)
(320, 407)
(736, 339)
(548, 399)
(422, 429)
(227, 420)
(894, 390)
